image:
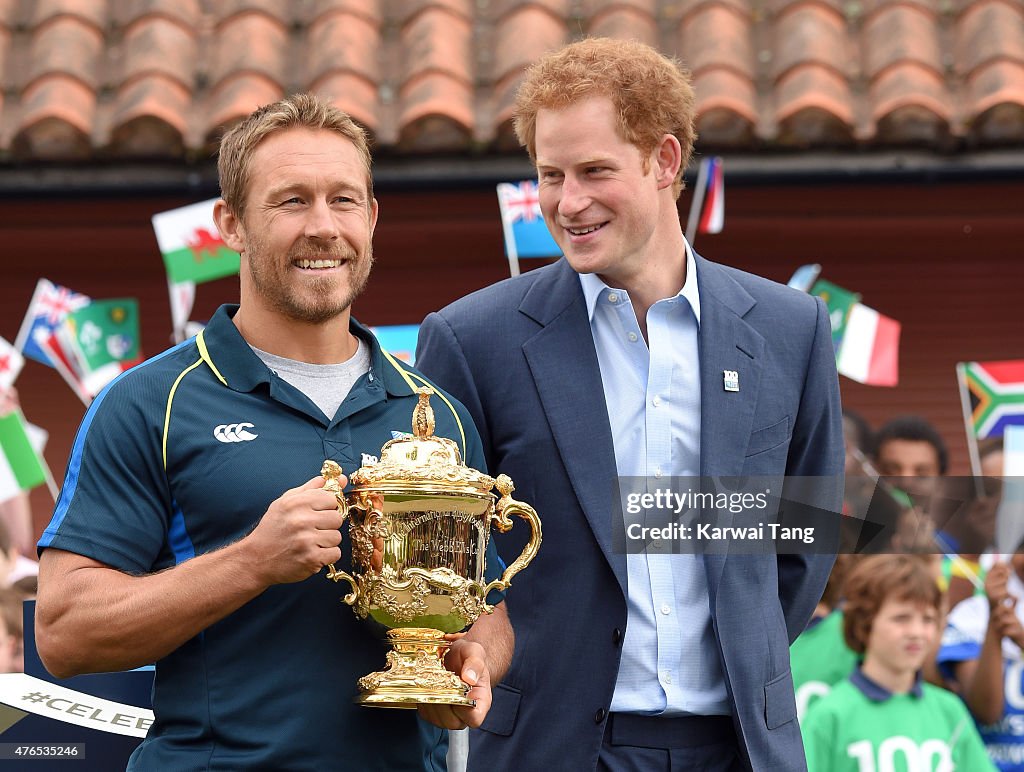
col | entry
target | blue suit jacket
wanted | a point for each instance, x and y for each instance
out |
(520, 356)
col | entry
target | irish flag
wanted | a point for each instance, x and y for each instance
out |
(869, 352)
(191, 246)
(993, 395)
(21, 468)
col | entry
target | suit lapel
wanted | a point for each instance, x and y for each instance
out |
(727, 343)
(565, 370)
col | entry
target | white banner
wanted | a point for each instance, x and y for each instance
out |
(33, 695)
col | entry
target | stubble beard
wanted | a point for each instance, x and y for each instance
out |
(319, 301)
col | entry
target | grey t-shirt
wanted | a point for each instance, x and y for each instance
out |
(326, 385)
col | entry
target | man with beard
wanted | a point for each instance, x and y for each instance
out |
(192, 523)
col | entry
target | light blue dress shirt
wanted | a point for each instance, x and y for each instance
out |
(670, 661)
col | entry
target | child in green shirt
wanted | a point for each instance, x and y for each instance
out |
(884, 717)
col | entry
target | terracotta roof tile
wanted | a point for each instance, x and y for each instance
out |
(253, 42)
(344, 60)
(626, 21)
(727, 116)
(813, 107)
(57, 115)
(237, 96)
(899, 33)
(156, 44)
(161, 78)
(910, 105)
(185, 12)
(811, 33)
(436, 90)
(989, 30)
(150, 119)
(91, 11)
(282, 10)
(521, 36)
(996, 97)
(716, 42)
(989, 48)
(66, 44)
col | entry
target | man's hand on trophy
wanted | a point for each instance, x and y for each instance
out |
(299, 534)
(466, 659)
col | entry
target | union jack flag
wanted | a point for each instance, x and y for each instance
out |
(50, 304)
(526, 235)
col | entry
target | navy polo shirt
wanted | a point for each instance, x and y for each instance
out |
(151, 483)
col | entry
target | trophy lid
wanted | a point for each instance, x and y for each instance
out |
(422, 461)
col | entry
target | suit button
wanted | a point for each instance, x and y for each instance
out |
(617, 636)
(599, 716)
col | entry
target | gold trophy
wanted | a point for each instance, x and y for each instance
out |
(419, 521)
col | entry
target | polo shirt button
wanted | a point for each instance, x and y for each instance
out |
(617, 636)
(599, 716)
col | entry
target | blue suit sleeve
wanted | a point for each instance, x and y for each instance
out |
(816, 451)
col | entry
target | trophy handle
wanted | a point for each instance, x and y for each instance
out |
(331, 471)
(500, 517)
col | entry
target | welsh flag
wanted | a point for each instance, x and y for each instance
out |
(191, 246)
(21, 467)
(993, 396)
(11, 362)
(839, 301)
(104, 339)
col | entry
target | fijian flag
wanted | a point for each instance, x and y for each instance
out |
(993, 396)
(523, 226)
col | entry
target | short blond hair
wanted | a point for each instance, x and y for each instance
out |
(652, 93)
(298, 111)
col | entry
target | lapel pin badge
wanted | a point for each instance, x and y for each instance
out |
(731, 380)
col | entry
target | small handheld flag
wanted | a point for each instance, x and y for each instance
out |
(993, 395)
(11, 362)
(191, 246)
(21, 467)
(522, 223)
(707, 207)
(50, 304)
(105, 340)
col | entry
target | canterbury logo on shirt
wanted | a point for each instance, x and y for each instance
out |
(234, 432)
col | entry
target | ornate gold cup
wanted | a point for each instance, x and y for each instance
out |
(419, 521)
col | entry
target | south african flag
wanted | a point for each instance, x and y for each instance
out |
(993, 395)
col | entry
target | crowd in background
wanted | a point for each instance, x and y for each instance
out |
(914, 657)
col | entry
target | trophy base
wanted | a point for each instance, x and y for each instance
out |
(415, 674)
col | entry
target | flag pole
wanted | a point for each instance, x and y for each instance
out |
(695, 203)
(972, 440)
(510, 239)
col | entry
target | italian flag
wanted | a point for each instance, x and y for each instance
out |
(191, 246)
(870, 347)
(21, 468)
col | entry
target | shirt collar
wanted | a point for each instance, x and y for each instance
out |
(241, 370)
(594, 287)
(878, 693)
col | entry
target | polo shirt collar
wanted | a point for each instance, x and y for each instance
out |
(878, 693)
(238, 367)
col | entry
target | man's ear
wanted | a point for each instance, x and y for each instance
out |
(229, 225)
(374, 211)
(668, 155)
